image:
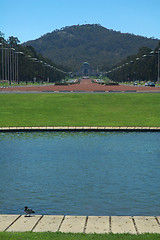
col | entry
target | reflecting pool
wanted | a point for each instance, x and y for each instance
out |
(80, 173)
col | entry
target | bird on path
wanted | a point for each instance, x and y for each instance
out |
(28, 211)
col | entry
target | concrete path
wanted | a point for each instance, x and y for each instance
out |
(80, 224)
(72, 128)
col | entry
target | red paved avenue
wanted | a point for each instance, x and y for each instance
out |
(85, 85)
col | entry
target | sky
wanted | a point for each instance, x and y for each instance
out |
(31, 19)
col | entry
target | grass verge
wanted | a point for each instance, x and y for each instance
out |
(70, 236)
(129, 109)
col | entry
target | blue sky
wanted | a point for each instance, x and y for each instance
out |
(30, 19)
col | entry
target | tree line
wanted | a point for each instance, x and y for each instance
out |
(142, 66)
(22, 64)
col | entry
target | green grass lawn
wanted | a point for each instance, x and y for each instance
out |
(118, 109)
(70, 236)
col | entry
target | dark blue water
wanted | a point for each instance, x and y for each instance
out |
(80, 173)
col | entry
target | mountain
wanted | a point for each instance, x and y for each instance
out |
(72, 45)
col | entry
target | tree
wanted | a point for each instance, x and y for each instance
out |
(13, 41)
(1, 37)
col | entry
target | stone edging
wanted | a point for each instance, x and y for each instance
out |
(72, 128)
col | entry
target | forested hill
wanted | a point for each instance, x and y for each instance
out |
(101, 47)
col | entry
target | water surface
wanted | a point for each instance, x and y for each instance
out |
(93, 173)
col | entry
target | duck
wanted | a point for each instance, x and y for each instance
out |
(28, 211)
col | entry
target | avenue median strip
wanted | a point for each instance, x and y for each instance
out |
(88, 110)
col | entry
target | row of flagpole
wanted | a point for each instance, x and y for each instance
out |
(9, 64)
(9, 69)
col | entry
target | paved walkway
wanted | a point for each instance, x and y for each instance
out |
(80, 224)
(84, 128)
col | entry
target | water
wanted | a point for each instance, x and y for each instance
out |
(94, 173)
